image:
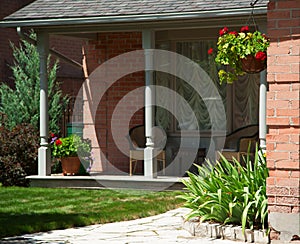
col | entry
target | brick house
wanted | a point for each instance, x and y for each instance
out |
(111, 29)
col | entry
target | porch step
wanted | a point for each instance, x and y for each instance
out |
(161, 183)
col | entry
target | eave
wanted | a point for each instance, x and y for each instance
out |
(131, 21)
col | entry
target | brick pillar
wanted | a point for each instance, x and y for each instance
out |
(283, 112)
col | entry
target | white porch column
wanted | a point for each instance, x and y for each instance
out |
(150, 163)
(44, 157)
(262, 110)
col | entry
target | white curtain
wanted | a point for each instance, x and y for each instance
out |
(245, 101)
(243, 98)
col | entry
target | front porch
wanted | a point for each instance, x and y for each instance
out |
(98, 181)
(125, 71)
(98, 24)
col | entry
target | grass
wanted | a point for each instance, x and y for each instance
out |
(29, 210)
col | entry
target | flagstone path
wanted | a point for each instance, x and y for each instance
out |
(164, 228)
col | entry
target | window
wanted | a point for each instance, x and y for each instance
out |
(240, 99)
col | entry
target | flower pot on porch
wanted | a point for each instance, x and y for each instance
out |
(70, 165)
(252, 65)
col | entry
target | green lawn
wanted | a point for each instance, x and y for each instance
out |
(29, 210)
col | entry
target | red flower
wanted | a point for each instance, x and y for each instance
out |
(233, 33)
(264, 36)
(223, 31)
(52, 135)
(210, 51)
(245, 28)
(260, 56)
(58, 142)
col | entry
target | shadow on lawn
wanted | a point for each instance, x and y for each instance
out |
(19, 224)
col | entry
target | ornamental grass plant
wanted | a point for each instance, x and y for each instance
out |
(229, 193)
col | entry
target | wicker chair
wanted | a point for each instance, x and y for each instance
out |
(137, 144)
(237, 143)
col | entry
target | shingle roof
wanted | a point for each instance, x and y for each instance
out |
(51, 9)
(60, 13)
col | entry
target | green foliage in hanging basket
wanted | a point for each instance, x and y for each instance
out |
(233, 46)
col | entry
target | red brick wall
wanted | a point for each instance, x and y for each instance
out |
(283, 108)
(6, 8)
(107, 46)
(70, 76)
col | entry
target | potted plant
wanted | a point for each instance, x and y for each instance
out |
(244, 52)
(71, 151)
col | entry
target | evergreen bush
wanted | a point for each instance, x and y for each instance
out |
(21, 105)
(19, 114)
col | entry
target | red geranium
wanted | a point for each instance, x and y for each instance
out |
(58, 142)
(260, 56)
(223, 31)
(264, 36)
(210, 51)
(233, 33)
(245, 28)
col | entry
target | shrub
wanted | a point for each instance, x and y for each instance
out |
(229, 193)
(21, 105)
(56, 167)
(12, 175)
(18, 154)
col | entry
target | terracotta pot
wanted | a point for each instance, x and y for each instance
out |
(251, 65)
(70, 165)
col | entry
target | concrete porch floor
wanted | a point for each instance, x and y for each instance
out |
(97, 181)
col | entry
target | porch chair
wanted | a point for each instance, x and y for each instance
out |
(237, 143)
(137, 144)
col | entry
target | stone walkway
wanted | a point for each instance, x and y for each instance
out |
(164, 228)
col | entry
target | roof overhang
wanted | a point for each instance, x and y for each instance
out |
(130, 22)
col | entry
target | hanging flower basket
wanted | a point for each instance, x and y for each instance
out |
(239, 53)
(252, 65)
